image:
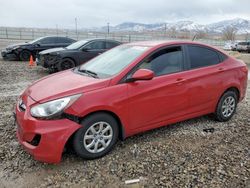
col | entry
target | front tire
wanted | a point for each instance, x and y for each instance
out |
(227, 106)
(25, 55)
(97, 136)
(65, 64)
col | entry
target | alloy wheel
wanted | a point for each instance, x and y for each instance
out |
(228, 106)
(67, 64)
(98, 137)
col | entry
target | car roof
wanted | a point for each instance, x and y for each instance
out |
(162, 43)
(54, 36)
(96, 39)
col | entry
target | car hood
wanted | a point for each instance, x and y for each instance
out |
(63, 84)
(52, 50)
(18, 44)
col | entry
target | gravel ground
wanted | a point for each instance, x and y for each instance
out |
(179, 155)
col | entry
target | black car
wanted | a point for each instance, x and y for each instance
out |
(58, 59)
(23, 51)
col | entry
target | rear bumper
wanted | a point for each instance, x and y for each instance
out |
(52, 134)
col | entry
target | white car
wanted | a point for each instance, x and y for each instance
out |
(243, 47)
(230, 46)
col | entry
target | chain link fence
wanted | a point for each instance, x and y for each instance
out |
(30, 34)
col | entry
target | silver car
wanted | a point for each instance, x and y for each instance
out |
(243, 47)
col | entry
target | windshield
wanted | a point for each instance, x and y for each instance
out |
(76, 45)
(113, 61)
(34, 41)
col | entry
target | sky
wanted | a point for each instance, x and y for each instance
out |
(96, 13)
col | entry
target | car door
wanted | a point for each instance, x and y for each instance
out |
(204, 78)
(91, 50)
(162, 98)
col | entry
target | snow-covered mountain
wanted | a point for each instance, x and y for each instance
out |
(242, 26)
(185, 25)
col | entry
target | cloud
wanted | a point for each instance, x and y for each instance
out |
(49, 13)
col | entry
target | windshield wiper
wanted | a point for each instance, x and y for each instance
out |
(88, 72)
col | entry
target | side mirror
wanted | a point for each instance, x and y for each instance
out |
(141, 74)
(37, 44)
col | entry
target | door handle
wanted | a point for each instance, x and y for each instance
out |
(179, 81)
(221, 69)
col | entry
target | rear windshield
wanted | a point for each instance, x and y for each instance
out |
(77, 45)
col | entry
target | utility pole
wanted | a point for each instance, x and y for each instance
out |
(76, 28)
(56, 30)
(108, 28)
(165, 29)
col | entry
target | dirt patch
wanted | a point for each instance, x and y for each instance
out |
(179, 155)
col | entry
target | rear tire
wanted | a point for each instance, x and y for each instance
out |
(226, 106)
(97, 137)
(25, 55)
(65, 64)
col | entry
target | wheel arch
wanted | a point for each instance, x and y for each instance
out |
(71, 58)
(59, 63)
(121, 134)
(231, 88)
(216, 114)
(18, 52)
(234, 89)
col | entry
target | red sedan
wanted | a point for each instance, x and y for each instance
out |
(130, 89)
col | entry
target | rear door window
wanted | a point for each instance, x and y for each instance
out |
(48, 40)
(111, 44)
(63, 40)
(202, 56)
(97, 45)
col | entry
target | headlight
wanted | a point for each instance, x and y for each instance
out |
(53, 108)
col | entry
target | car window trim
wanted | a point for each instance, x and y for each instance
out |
(132, 70)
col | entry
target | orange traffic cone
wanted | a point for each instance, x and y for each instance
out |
(31, 62)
